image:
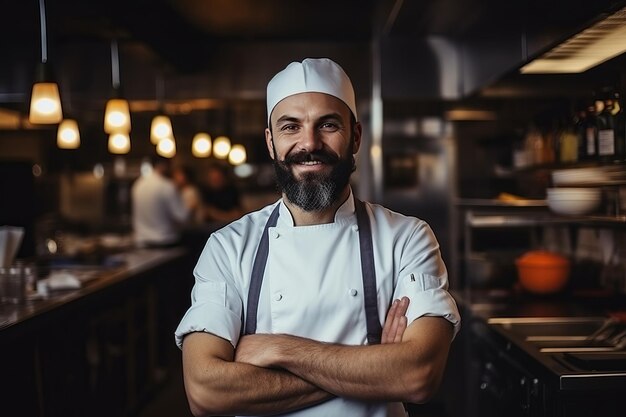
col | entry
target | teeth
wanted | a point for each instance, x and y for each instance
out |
(311, 163)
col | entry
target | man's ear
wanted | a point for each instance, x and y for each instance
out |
(358, 133)
(269, 142)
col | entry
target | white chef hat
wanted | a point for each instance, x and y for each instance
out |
(313, 75)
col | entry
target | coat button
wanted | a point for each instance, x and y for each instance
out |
(278, 297)
(353, 292)
(275, 234)
(355, 228)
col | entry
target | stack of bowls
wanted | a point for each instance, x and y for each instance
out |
(574, 200)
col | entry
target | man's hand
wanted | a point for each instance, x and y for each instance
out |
(256, 349)
(396, 321)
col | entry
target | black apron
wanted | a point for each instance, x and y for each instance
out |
(374, 329)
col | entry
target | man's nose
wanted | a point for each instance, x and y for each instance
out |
(310, 139)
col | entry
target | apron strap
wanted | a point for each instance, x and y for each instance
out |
(374, 329)
(258, 269)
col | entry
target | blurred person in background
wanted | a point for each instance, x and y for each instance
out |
(184, 177)
(158, 209)
(221, 198)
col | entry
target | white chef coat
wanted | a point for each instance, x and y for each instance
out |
(158, 210)
(313, 284)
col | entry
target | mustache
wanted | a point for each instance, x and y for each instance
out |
(315, 156)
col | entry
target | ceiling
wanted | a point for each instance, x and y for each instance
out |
(207, 51)
(182, 36)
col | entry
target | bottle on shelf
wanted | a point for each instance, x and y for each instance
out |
(568, 142)
(588, 133)
(610, 147)
(619, 125)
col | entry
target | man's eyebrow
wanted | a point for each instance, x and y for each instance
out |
(287, 118)
(331, 116)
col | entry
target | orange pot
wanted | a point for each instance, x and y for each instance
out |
(542, 272)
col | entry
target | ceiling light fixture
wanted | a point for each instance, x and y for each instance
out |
(221, 147)
(166, 147)
(45, 102)
(68, 135)
(119, 143)
(160, 128)
(237, 155)
(117, 112)
(600, 42)
(201, 145)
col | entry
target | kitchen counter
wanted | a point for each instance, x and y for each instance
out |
(93, 279)
(515, 353)
(101, 349)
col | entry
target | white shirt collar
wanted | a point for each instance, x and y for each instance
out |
(345, 211)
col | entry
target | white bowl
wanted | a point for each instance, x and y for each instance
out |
(573, 201)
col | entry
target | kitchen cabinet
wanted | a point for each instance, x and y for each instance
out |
(100, 350)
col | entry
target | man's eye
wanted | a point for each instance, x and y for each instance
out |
(329, 126)
(289, 128)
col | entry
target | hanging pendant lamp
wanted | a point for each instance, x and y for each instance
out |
(117, 112)
(45, 102)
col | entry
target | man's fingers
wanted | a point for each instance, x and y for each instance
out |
(396, 321)
(387, 336)
(401, 327)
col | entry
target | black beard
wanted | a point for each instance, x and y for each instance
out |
(313, 192)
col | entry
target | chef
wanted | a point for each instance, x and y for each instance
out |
(319, 304)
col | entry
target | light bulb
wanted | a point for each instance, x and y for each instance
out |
(237, 155)
(221, 147)
(68, 135)
(45, 104)
(160, 128)
(201, 145)
(119, 143)
(117, 116)
(166, 147)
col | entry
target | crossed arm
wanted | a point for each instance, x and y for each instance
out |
(270, 374)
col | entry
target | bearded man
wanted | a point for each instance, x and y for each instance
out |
(319, 304)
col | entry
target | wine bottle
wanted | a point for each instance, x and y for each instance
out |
(607, 151)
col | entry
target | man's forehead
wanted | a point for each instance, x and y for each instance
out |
(310, 104)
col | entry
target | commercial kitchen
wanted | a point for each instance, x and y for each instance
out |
(501, 124)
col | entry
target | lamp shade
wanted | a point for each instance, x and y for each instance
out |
(117, 116)
(201, 145)
(45, 104)
(68, 135)
(221, 147)
(166, 147)
(160, 128)
(237, 155)
(119, 143)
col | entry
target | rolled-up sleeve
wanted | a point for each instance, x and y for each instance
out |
(423, 278)
(216, 304)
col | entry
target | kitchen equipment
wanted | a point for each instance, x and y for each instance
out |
(542, 272)
(574, 200)
(10, 241)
